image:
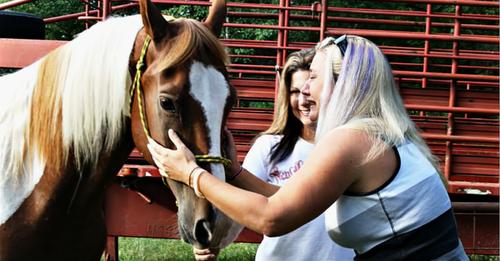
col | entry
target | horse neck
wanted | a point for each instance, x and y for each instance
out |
(95, 178)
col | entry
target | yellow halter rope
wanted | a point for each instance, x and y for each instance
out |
(136, 86)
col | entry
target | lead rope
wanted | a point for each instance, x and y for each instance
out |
(136, 86)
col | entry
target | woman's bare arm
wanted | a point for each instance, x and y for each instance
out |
(250, 182)
(330, 169)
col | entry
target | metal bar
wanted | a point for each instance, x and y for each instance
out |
(280, 43)
(13, 3)
(451, 102)
(273, 27)
(231, 4)
(425, 65)
(453, 76)
(415, 35)
(456, 138)
(323, 20)
(111, 248)
(462, 56)
(106, 10)
(419, 14)
(483, 207)
(418, 65)
(362, 20)
(12, 57)
(450, 2)
(91, 13)
(87, 13)
(285, 37)
(418, 107)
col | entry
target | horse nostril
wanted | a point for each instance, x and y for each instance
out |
(202, 232)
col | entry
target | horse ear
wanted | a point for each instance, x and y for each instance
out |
(154, 24)
(216, 16)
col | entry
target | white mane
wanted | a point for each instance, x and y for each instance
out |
(95, 96)
(93, 86)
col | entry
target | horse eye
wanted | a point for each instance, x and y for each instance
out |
(167, 104)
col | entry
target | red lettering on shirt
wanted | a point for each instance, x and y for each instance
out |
(284, 174)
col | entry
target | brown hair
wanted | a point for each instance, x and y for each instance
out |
(284, 122)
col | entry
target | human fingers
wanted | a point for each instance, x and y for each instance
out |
(173, 164)
(182, 155)
(158, 156)
(156, 149)
(205, 254)
(209, 257)
(160, 160)
(175, 139)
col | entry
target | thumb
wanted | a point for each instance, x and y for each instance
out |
(175, 139)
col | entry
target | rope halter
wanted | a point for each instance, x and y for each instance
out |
(136, 87)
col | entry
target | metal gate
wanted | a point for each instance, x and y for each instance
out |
(444, 55)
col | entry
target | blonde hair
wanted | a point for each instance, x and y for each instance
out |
(364, 97)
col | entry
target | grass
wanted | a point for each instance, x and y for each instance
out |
(135, 249)
(484, 258)
(147, 249)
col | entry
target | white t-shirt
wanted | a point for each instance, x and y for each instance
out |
(308, 242)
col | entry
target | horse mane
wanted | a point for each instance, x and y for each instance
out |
(194, 41)
(71, 102)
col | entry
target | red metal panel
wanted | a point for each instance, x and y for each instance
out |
(152, 214)
(478, 226)
(18, 53)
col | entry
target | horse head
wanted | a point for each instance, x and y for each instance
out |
(181, 84)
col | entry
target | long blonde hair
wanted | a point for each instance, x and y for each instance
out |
(359, 92)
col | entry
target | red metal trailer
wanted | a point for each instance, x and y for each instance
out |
(447, 71)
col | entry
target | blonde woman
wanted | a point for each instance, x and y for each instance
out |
(278, 153)
(370, 171)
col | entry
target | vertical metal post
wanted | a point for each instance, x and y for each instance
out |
(425, 64)
(105, 9)
(111, 253)
(323, 19)
(99, 9)
(427, 44)
(279, 49)
(454, 68)
(285, 33)
(87, 13)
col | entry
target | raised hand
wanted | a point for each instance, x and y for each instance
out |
(175, 164)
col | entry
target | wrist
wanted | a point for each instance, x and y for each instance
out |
(190, 176)
(196, 181)
(235, 174)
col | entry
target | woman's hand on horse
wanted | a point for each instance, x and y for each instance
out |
(174, 164)
(205, 254)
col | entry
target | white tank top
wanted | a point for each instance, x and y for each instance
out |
(412, 198)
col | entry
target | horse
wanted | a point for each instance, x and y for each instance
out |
(69, 121)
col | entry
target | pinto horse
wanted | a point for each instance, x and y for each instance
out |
(69, 121)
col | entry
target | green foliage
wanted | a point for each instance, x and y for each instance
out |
(256, 104)
(187, 11)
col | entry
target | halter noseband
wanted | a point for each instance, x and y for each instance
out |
(136, 86)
